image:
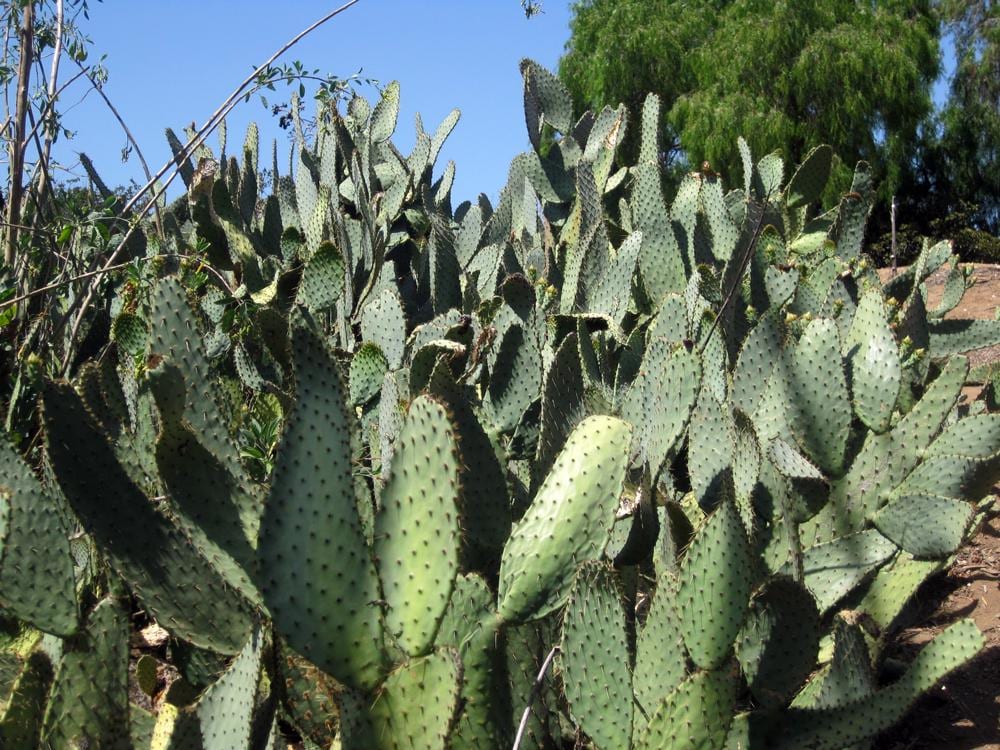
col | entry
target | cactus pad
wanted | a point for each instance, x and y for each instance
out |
(567, 523)
(317, 575)
(594, 655)
(715, 587)
(416, 529)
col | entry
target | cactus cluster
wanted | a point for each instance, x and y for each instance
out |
(688, 458)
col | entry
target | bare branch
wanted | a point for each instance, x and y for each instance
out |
(92, 274)
(535, 690)
(199, 138)
(17, 145)
(43, 155)
(131, 139)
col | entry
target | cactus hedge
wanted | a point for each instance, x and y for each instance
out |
(685, 455)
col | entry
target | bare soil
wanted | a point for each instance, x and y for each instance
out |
(963, 712)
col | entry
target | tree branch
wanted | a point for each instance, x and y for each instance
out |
(210, 125)
(18, 145)
(535, 690)
(131, 139)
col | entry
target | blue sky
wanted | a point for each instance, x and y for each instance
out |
(173, 62)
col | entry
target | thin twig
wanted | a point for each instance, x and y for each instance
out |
(535, 690)
(198, 138)
(26, 228)
(220, 113)
(744, 262)
(43, 178)
(18, 145)
(90, 274)
(128, 134)
(49, 105)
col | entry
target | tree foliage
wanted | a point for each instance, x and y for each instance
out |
(970, 122)
(785, 75)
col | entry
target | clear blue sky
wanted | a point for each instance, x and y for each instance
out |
(172, 62)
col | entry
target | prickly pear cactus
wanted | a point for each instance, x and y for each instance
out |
(595, 465)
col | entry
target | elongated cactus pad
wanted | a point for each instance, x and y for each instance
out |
(416, 529)
(317, 575)
(594, 655)
(567, 523)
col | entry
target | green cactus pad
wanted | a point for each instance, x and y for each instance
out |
(130, 332)
(715, 582)
(427, 357)
(322, 283)
(21, 718)
(927, 526)
(661, 399)
(485, 501)
(184, 166)
(175, 335)
(972, 437)
(308, 697)
(874, 363)
(758, 356)
(834, 569)
(416, 529)
(807, 488)
(314, 227)
(852, 214)
(845, 724)
(88, 706)
(516, 379)
(660, 260)
(779, 641)
(383, 323)
(445, 286)
(952, 476)
(806, 185)
(894, 585)
(201, 488)
(545, 98)
(415, 706)
(696, 714)
(957, 336)
(247, 371)
(660, 661)
(710, 449)
(383, 119)
(317, 575)
(594, 657)
(36, 569)
(223, 714)
(848, 678)
(180, 588)
(955, 287)
(368, 369)
(470, 626)
(567, 523)
(768, 176)
(563, 404)
(885, 460)
(613, 291)
(820, 411)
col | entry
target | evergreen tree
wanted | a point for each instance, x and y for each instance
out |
(786, 75)
(970, 133)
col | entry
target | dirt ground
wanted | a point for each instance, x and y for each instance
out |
(963, 712)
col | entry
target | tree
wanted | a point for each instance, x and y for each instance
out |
(620, 50)
(785, 75)
(970, 122)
